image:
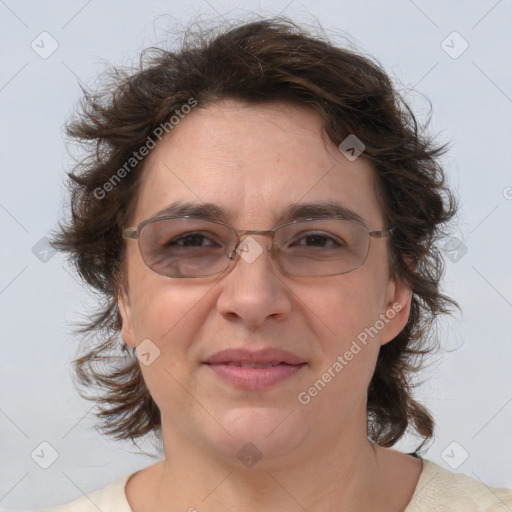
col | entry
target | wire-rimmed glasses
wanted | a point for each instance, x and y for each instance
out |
(190, 247)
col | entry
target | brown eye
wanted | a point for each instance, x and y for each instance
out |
(320, 240)
(191, 240)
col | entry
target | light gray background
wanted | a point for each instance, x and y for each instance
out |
(469, 390)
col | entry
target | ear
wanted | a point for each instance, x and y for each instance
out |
(398, 307)
(126, 316)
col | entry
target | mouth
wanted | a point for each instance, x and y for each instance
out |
(252, 365)
(253, 370)
(254, 377)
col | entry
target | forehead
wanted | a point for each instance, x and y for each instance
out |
(254, 162)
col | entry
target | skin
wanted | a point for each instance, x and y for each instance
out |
(254, 161)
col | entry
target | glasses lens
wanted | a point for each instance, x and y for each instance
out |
(186, 247)
(322, 247)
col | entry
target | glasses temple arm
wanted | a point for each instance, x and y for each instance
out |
(381, 234)
(130, 233)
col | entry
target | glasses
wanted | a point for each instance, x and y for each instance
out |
(193, 247)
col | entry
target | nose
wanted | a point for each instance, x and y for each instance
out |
(254, 289)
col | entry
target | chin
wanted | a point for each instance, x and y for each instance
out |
(259, 432)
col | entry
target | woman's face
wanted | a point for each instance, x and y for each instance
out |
(254, 162)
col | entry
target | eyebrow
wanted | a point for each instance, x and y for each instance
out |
(295, 211)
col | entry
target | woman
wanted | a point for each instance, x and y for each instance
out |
(261, 216)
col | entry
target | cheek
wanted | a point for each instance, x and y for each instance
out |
(350, 305)
(165, 319)
(163, 309)
(350, 352)
(350, 310)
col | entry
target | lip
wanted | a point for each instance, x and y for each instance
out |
(264, 356)
(227, 365)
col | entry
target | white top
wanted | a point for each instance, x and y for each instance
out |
(437, 490)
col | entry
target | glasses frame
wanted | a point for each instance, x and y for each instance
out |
(240, 234)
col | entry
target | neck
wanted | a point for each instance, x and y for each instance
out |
(347, 474)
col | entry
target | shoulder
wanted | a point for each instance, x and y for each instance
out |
(111, 498)
(441, 490)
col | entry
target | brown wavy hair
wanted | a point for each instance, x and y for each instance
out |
(268, 60)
